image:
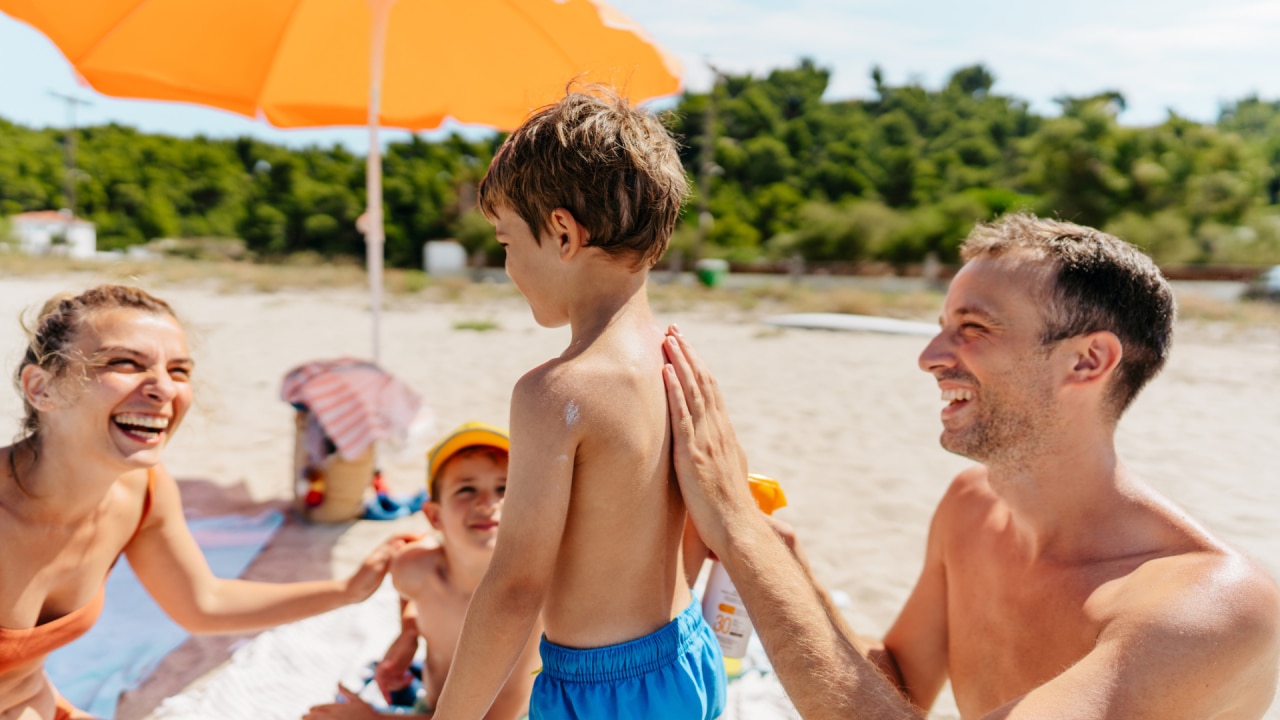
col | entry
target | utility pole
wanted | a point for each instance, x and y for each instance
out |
(70, 177)
(707, 165)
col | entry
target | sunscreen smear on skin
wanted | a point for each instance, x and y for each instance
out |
(722, 607)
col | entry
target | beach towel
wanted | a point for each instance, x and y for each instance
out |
(133, 633)
(282, 672)
(755, 693)
(355, 403)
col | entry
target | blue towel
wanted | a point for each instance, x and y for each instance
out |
(134, 634)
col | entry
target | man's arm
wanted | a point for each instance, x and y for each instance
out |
(1205, 647)
(787, 534)
(914, 651)
(817, 663)
(506, 605)
(917, 641)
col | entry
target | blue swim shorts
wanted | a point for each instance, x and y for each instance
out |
(676, 672)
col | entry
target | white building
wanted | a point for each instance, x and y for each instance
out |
(54, 232)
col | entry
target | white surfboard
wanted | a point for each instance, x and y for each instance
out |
(862, 323)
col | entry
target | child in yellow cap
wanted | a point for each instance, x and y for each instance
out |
(466, 478)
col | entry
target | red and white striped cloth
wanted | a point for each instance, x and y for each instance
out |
(355, 402)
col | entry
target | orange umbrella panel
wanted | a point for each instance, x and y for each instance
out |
(311, 63)
(306, 63)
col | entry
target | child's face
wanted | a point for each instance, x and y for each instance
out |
(469, 506)
(534, 267)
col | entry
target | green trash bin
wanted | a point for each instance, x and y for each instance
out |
(711, 271)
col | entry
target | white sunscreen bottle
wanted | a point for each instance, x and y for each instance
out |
(722, 607)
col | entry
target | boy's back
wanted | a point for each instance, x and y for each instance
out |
(584, 197)
(618, 573)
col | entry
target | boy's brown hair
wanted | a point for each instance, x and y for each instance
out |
(614, 167)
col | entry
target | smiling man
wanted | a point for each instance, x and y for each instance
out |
(1056, 584)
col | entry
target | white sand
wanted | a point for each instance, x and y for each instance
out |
(844, 420)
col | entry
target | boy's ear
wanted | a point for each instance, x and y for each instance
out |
(569, 235)
(431, 509)
(1095, 357)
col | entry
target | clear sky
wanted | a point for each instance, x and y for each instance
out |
(1188, 55)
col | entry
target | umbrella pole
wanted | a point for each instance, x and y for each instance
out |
(375, 238)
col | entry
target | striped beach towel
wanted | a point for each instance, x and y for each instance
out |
(355, 402)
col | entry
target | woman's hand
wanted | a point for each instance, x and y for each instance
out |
(374, 568)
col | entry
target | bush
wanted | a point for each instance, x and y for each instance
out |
(1165, 236)
(475, 233)
(201, 248)
(848, 232)
(941, 227)
(1257, 242)
(735, 238)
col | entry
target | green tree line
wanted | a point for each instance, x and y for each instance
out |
(781, 172)
(138, 187)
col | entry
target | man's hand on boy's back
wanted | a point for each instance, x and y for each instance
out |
(711, 466)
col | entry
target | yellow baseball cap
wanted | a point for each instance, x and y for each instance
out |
(468, 434)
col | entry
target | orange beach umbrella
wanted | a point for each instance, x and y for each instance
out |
(400, 63)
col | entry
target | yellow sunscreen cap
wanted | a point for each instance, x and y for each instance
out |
(767, 492)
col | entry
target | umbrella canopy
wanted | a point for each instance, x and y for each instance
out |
(401, 63)
(307, 63)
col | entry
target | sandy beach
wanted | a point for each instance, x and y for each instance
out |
(845, 421)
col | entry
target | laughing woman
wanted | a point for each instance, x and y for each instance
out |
(105, 382)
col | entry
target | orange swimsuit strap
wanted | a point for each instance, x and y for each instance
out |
(19, 647)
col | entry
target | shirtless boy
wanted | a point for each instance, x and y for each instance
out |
(584, 197)
(1056, 583)
(467, 479)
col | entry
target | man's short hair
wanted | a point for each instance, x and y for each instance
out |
(613, 166)
(1100, 283)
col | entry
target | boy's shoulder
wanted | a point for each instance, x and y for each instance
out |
(565, 386)
(616, 355)
(561, 378)
(417, 570)
(547, 400)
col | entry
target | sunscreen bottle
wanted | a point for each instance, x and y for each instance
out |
(722, 607)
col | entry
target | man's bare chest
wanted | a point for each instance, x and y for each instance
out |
(1012, 628)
